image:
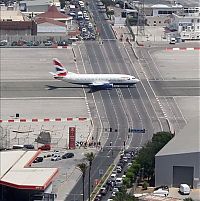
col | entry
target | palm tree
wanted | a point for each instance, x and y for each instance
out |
(83, 167)
(89, 157)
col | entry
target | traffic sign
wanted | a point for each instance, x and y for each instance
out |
(133, 130)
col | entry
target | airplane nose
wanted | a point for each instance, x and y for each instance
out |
(136, 80)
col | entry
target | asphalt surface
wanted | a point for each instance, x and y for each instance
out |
(120, 108)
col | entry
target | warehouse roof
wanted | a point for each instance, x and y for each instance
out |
(16, 171)
(186, 141)
(50, 21)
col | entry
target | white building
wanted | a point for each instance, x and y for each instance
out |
(186, 26)
(163, 10)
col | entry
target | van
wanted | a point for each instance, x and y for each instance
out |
(119, 182)
(172, 41)
(184, 189)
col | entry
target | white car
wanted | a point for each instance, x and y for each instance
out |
(87, 18)
(113, 194)
(115, 190)
(84, 30)
(56, 158)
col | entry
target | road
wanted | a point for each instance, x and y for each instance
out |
(120, 108)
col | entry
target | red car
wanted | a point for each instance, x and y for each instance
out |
(45, 147)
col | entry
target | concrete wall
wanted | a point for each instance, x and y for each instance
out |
(158, 20)
(164, 167)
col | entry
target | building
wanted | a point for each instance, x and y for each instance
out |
(14, 22)
(187, 25)
(163, 10)
(160, 14)
(50, 27)
(53, 22)
(19, 181)
(179, 161)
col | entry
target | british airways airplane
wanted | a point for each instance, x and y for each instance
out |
(100, 81)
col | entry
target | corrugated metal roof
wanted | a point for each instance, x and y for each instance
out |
(186, 141)
(16, 171)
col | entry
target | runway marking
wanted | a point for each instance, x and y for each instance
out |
(183, 49)
(35, 98)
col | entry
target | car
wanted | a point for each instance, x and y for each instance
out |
(115, 189)
(48, 43)
(55, 152)
(45, 147)
(87, 17)
(119, 169)
(84, 30)
(103, 191)
(113, 194)
(29, 146)
(67, 155)
(125, 159)
(38, 159)
(56, 158)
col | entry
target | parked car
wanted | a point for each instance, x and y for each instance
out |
(56, 158)
(160, 192)
(55, 152)
(38, 159)
(29, 146)
(45, 147)
(68, 155)
(48, 43)
(103, 191)
(3, 43)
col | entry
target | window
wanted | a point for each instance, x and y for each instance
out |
(192, 20)
(198, 20)
(159, 22)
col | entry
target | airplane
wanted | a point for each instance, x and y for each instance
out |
(100, 81)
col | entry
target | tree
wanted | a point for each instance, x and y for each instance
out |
(89, 157)
(188, 199)
(122, 195)
(83, 167)
(146, 156)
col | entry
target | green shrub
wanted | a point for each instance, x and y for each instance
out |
(145, 185)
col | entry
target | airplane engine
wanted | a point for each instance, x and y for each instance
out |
(108, 86)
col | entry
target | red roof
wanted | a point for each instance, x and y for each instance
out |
(51, 21)
(52, 13)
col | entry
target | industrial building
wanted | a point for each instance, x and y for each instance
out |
(179, 161)
(19, 181)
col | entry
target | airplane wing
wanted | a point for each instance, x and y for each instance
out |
(98, 84)
(104, 85)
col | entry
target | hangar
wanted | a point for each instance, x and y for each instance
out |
(179, 160)
(19, 181)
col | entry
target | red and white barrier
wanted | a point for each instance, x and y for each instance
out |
(183, 48)
(44, 120)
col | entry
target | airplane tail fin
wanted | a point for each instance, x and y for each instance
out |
(60, 70)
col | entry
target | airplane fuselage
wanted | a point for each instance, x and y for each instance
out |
(87, 79)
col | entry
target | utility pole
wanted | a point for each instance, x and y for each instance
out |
(141, 19)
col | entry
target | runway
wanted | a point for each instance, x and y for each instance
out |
(176, 88)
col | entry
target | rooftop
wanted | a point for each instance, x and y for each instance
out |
(16, 171)
(186, 141)
(53, 13)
